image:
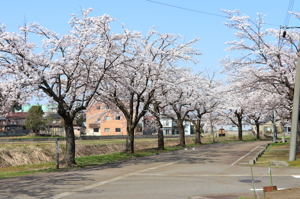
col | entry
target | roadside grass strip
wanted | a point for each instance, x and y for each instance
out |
(276, 154)
(82, 162)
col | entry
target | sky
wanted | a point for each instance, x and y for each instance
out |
(142, 15)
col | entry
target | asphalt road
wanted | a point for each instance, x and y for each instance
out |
(197, 173)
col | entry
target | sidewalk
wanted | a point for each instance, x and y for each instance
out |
(251, 157)
(293, 193)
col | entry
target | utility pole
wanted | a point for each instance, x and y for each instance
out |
(295, 114)
(296, 107)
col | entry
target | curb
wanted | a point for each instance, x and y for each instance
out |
(258, 155)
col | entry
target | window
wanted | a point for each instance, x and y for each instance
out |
(98, 107)
(107, 118)
(118, 129)
(118, 117)
(105, 107)
(106, 130)
(96, 130)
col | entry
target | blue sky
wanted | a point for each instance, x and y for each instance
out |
(141, 15)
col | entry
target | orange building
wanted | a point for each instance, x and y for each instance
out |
(100, 120)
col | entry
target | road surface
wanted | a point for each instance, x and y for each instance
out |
(196, 173)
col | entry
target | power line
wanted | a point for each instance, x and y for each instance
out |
(187, 9)
(197, 11)
(288, 15)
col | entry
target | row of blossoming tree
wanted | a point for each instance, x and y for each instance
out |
(261, 72)
(128, 70)
(141, 75)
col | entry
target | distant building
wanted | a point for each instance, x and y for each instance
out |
(25, 108)
(13, 122)
(54, 124)
(169, 126)
(267, 128)
(101, 120)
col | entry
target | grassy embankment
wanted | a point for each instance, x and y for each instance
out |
(82, 162)
(276, 153)
(20, 157)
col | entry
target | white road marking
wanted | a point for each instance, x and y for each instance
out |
(92, 186)
(260, 189)
(199, 197)
(296, 176)
(244, 156)
(206, 175)
(61, 195)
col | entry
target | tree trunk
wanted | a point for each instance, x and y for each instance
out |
(211, 128)
(198, 132)
(160, 140)
(275, 133)
(240, 128)
(70, 142)
(257, 130)
(180, 127)
(130, 139)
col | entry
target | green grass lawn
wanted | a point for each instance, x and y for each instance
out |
(277, 152)
(29, 137)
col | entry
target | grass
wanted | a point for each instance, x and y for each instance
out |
(93, 160)
(29, 137)
(230, 138)
(86, 161)
(295, 163)
(277, 152)
(26, 169)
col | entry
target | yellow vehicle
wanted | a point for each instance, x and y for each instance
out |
(221, 132)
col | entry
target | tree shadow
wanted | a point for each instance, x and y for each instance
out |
(47, 185)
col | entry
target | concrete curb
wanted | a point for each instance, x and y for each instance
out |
(258, 155)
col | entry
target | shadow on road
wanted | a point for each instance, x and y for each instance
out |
(45, 186)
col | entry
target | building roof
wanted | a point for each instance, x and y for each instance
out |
(17, 115)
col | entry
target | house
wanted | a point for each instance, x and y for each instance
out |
(102, 120)
(54, 125)
(149, 125)
(267, 128)
(170, 126)
(13, 122)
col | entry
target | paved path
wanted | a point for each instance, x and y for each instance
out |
(203, 171)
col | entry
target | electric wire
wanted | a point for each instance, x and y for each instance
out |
(197, 11)
(187, 9)
(288, 15)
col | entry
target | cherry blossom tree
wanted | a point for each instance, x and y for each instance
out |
(266, 59)
(259, 106)
(68, 69)
(205, 100)
(156, 110)
(133, 87)
(234, 105)
(10, 96)
(180, 99)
